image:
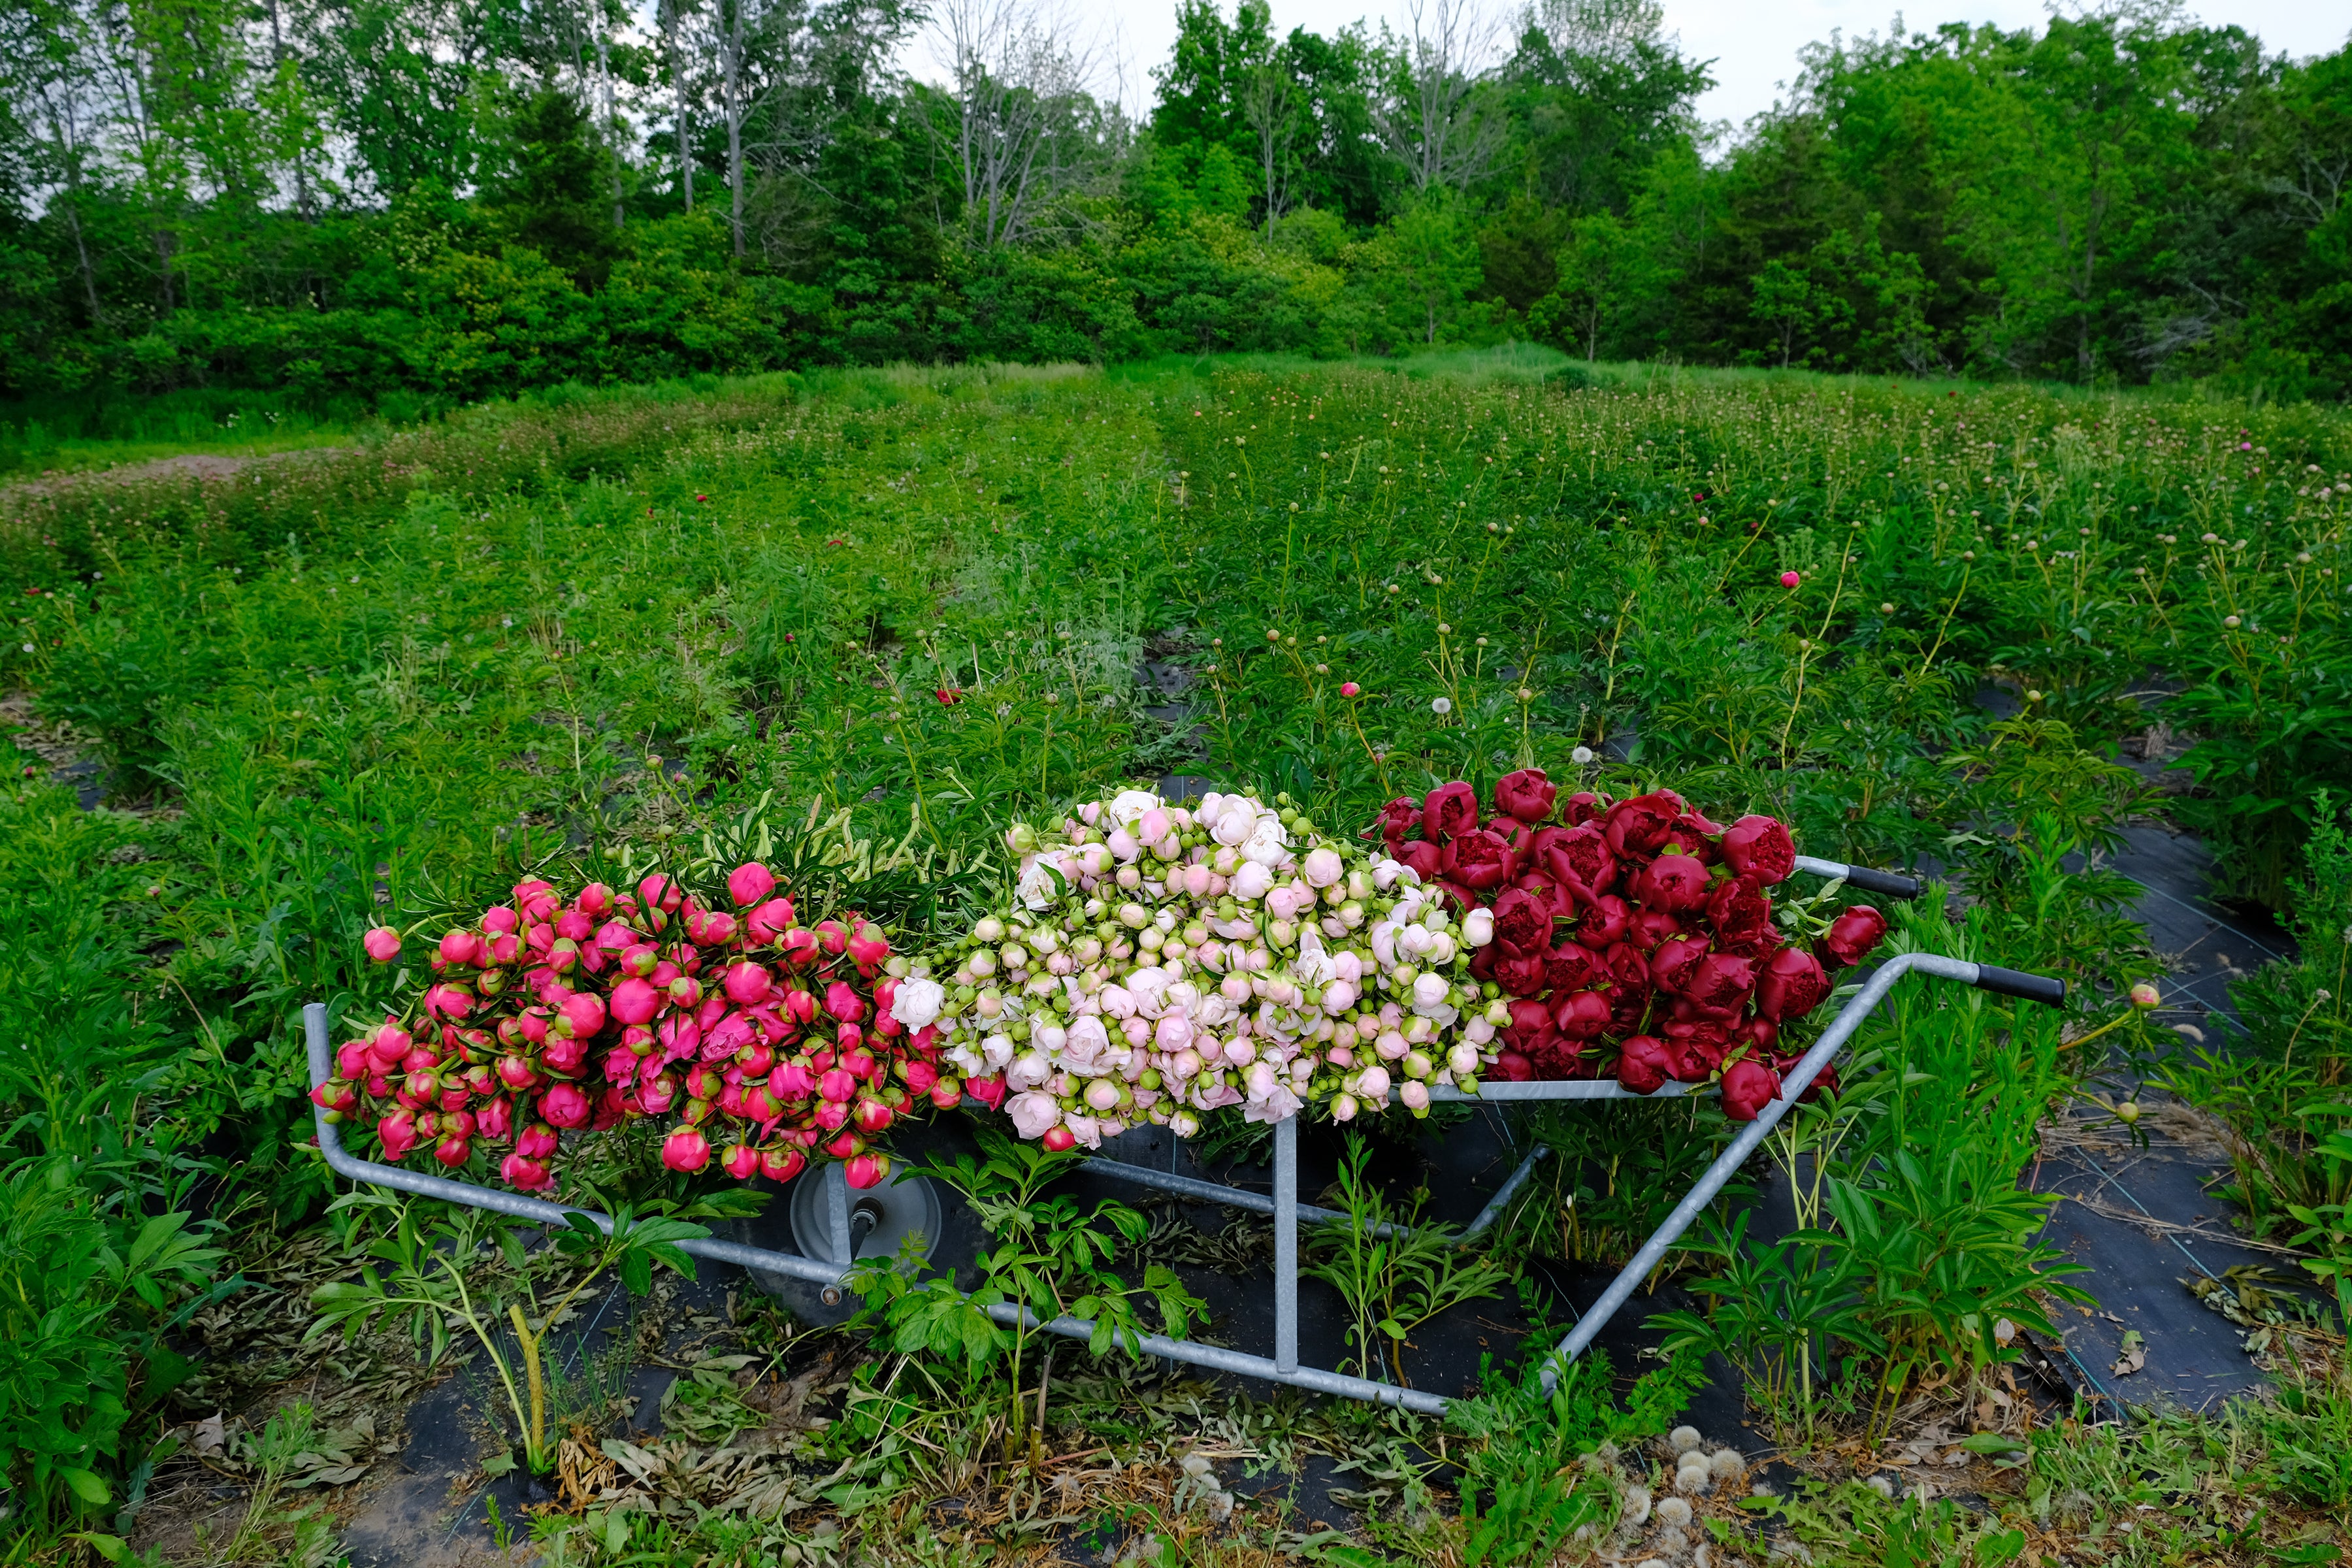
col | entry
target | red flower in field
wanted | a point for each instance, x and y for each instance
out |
(1583, 807)
(1721, 981)
(949, 696)
(702, 498)
(1853, 934)
(831, 542)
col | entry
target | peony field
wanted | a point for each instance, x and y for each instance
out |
(1227, 961)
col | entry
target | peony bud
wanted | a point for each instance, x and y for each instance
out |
(383, 944)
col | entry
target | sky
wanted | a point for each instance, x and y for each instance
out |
(1753, 43)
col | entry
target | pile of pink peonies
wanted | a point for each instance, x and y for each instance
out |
(769, 1044)
(1157, 961)
(1634, 938)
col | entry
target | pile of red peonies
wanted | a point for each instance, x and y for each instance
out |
(766, 1043)
(1635, 939)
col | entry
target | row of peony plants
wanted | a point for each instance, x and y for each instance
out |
(1150, 962)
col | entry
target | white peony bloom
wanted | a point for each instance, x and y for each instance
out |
(1128, 806)
(1478, 927)
(1038, 888)
(1268, 843)
(918, 1003)
(1253, 882)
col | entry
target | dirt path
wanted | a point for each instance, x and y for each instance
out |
(199, 465)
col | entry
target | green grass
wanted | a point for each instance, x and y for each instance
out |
(400, 675)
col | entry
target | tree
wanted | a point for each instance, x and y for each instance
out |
(1438, 115)
(1017, 127)
(1270, 105)
(1426, 263)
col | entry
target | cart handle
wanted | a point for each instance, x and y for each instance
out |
(1893, 884)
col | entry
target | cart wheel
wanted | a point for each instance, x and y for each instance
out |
(881, 1219)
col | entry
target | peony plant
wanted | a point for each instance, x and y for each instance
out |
(1634, 938)
(1157, 963)
(766, 1043)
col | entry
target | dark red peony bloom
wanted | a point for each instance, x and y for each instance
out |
(1522, 976)
(1640, 826)
(1675, 961)
(1720, 980)
(1758, 942)
(1748, 1087)
(1628, 968)
(1853, 934)
(1519, 835)
(1512, 1067)
(1824, 1083)
(1696, 1048)
(1396, 819)
(1545, 889)
(1584, 807)
(1422, 857)
(1737, 905)
(1529, 1018)
(1792, 985)
(1462, 900)
(1526, 795)
(1478, 860)
(1674, 882)
(1449, 809)
(1652, 927)
(1763, 1033)
(1522, 923)
(1580, 1015)
(1759, 850)
(1572, 967)
(1644, 1065)
(1582, 860)
(1693, 824)
(1606, 923)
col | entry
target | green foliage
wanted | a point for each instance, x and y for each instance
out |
(437, 1276)
(1051, 1259)
(1394, 1268)
(2102, 199)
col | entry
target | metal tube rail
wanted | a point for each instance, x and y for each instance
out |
(1792, 1084)
(1213, 1357)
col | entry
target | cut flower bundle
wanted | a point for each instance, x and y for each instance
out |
(766, 1043)
(1634, 939)
(1155, 962)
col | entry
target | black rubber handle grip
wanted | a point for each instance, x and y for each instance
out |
(1893, 884)
(2046, 988)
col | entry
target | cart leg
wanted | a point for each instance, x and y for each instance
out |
(1285, 1244)
(836, 1204)
(1796, 1081)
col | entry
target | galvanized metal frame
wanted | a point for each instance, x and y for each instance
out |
(1283, 1204)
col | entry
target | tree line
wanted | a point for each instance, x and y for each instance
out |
(401, 204)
